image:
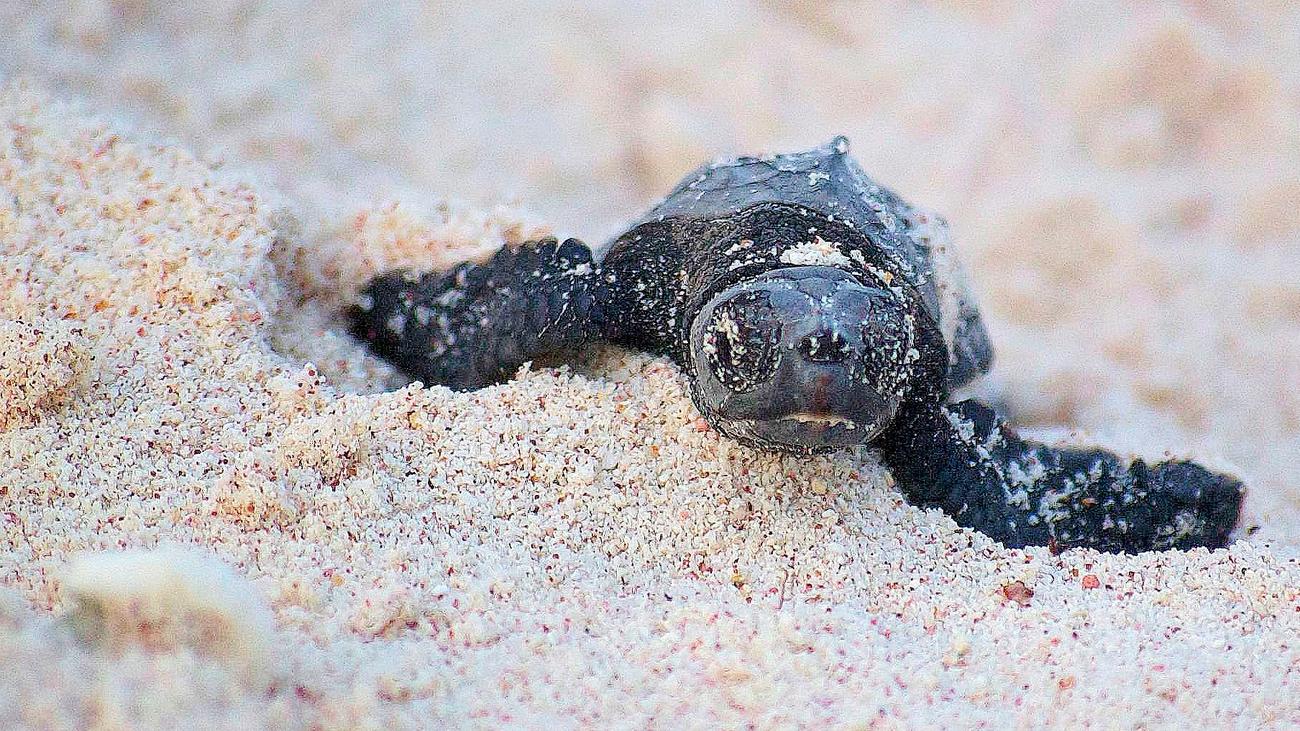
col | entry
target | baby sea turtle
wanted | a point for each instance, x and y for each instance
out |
(811, 309)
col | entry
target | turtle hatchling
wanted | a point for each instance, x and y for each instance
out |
(810, 309)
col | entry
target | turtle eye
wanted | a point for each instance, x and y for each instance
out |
(741, 341)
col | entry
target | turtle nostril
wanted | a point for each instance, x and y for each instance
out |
(823, 346)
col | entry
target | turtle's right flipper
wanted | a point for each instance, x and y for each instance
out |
(962, 458)
(478, 323)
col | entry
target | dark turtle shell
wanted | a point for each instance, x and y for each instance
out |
(737, 218)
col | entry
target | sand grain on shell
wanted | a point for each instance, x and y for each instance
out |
(561, 548)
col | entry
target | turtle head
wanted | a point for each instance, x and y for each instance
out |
(802, 359)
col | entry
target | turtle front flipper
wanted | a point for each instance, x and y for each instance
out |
(962, 458)
(478, 323)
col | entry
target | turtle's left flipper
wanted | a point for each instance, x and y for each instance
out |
(478, 323)
(962, 458)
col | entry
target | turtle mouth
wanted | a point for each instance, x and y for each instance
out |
(805, 431)
(823, 420)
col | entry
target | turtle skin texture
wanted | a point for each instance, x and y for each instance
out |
(810, 309)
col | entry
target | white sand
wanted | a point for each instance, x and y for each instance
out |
(577, 548)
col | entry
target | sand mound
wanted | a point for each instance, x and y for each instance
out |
(560, 548)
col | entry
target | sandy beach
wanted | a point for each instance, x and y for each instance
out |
(218, 510)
